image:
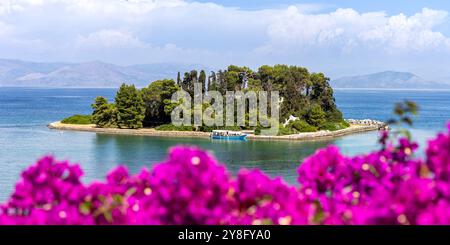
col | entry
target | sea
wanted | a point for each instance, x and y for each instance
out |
(26, 112)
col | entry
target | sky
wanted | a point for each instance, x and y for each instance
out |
(336, 37)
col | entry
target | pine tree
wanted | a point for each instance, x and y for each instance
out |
(316, 116)
(104, 115)
(130, 107)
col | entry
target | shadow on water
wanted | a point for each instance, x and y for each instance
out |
(274, 157)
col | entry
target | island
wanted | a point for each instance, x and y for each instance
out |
(306, 109)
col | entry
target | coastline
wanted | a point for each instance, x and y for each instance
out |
(353, 129)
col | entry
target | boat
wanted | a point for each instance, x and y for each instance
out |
(228, 135)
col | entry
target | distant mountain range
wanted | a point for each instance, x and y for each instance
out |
(16, 73)
(388, 80)
(97, 74)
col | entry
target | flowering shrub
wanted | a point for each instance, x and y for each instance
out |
(389, 186)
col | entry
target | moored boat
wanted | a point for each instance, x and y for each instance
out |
(228, 135)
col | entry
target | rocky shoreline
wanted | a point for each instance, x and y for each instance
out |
(368, 122)
(353, 129)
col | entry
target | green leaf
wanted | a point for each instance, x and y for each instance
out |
(85, 208)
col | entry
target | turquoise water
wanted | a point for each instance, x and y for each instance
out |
(24, 137)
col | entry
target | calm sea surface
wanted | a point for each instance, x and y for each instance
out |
(24, 137)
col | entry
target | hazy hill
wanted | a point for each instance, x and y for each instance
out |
(388, 80)
(17, 73)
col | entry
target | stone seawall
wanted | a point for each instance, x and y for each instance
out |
(142, 132)
(354, 128)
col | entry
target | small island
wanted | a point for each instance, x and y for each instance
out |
(307, 110)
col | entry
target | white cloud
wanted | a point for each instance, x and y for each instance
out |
(344, 28)
(4, 29)
(8, 7)
(120, 7)
(293, 26)
(410, 33)
(101, 8)
(110, 44)
(110, 39)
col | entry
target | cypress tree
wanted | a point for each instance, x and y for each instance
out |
(178, 79)
(202, 79)
(208, 84)
(185, 82)
(212, 84)
(221, 82)
(190, 79)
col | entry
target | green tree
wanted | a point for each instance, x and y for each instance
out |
(237, 77)
(188, 81)
(178, 79)
(193, 75)
(104, 114)
(232, 80)
(202, 80)
(130, 107)
(157, 99)
(185, 82)
(308, 96)
(265, 74)
(316, 116)
(212, 83)
(322, 92)
(298, 88)
(221, 82)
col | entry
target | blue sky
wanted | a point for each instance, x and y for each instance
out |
(337, 37)
(390, 6)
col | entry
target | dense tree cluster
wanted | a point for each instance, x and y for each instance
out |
(157, 101)
(104, 114)
(127, 111)
(305, 95)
